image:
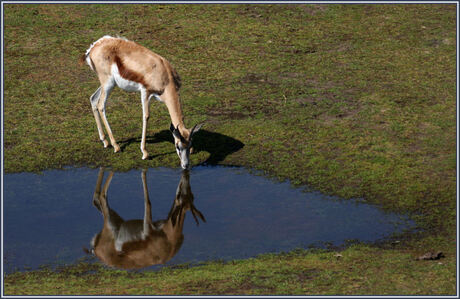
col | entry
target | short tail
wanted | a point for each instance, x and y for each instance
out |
(82, 59)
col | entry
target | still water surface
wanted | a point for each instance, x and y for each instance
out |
(49, 218)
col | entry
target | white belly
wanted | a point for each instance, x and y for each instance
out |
(123, 83)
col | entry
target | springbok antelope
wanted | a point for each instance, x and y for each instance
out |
(128, 65)
(135, 244)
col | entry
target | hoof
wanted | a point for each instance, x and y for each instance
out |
(145, 155)
(106, 143)
(116, 148)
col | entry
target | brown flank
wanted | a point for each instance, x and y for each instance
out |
(127, 73)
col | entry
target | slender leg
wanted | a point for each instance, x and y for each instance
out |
(94, 100)
(145, 117)
(105, 92)
(111, 219)
(97, 191)
(103, 196)
(147, 206)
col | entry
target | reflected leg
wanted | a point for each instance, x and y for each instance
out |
(147, 205)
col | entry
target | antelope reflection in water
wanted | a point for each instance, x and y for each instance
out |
(133, 244)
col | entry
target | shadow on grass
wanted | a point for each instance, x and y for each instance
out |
(219, 146)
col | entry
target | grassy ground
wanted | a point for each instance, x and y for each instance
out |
(352, 100)
(357, 271)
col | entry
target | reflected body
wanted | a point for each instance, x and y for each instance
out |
(139, 243)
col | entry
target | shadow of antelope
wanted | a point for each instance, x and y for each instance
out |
(218, 146)
(139, 243)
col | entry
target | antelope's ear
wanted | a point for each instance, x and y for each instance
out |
(195, 129)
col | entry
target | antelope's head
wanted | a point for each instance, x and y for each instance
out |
(183, 144)
(184, 201)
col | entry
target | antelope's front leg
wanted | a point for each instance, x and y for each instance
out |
(145, 117)
(147, 206)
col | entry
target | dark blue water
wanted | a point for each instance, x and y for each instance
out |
(48, 218)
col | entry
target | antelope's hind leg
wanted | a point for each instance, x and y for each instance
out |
(105, 92)
(94, 99)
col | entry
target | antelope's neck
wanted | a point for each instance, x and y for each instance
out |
(177, 119)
